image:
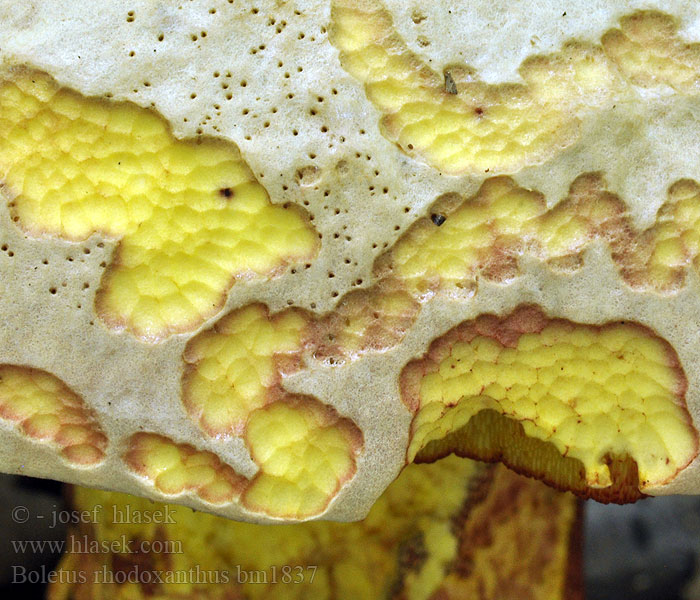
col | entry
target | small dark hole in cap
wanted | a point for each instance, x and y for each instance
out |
(226, 192)
(438, 219)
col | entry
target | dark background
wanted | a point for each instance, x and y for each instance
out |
(643, 551)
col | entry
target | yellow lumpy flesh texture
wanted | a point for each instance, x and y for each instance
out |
(475, 127)
(648, 50)
(459, 124)
(234, 366)
(305, 453)
(174, 469)
(451, 255)
(579, 75)
(390, 311)
(486, 234)
(45, 409)
(674, 239)
(374, 319)
(592, 392)
(189, 214)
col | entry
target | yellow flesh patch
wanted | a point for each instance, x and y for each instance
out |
(455, 122)
(484, 235)
(479, 235)
(48, 410)
(174, 469)
(189, 215)
(424, 536)
(648, 50)
(374, 319)
(234, 368)
(232, 386)
(459, 124)
(305, 452)
(594, 392)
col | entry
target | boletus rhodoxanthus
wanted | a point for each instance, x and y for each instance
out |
(261, 259)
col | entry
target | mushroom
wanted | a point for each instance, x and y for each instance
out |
(261, 263)
(450, 529)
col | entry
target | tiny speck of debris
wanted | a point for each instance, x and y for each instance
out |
(563, 14)
(438, 219)
(226, 192)
(450, 85)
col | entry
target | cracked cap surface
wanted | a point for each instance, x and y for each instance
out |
(242, 248)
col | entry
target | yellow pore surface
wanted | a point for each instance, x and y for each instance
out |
(234, 367)
(305, 452)
(232, 386)
(484, 235)
(46, 409)
(454, 121)
(649, 52)
(178, 468)
(474, 235)
(373, 319)
(426, 535)
(594, 392)
(189, 214)
(459, 124)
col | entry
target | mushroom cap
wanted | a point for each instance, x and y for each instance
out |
(257, 260)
